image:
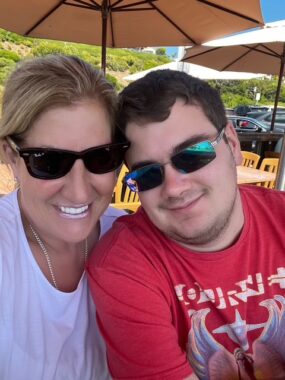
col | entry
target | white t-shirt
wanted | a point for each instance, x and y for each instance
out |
(45, 334)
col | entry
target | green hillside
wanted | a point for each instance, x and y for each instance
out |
(120, 62)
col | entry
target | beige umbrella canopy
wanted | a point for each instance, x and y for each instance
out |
(259, 51)
(129, 23)
(197, 71)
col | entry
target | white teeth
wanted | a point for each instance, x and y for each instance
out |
(73, 210)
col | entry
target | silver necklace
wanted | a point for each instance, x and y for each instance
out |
(45, 252)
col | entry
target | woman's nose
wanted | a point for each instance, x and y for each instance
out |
(77, 182)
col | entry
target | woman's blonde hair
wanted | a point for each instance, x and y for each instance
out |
(39, 84)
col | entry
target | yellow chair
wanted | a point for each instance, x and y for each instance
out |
(269, 165)
(250, 159)
(124, 198)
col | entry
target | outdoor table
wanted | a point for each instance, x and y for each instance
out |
(250, 175)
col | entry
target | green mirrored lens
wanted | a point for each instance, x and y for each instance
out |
(194, 157)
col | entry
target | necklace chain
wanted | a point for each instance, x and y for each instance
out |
(45, 252)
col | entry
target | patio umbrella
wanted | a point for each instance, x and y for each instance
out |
(259, 51)
(129, 23)
(197, 71)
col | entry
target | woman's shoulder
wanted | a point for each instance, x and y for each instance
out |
(113, 212)
(109, 217)
(9, 208)
(10, 220)
(10, 226)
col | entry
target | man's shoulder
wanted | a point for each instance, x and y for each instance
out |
(130, 224)
(260, 193)
(263, 202)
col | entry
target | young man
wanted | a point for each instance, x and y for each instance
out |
(192, 285)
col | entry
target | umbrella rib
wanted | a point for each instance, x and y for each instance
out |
(228, 11)
(84, 4)
(235, 60)
(80, 4)
(126, 9)
(199, 54)
(172, 22)
(43, 18)
(214, 49)
(270, 50)
(116, 2)
(273, 54)
(133, 5)
(95, 3)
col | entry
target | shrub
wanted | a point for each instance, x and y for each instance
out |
(46, 47)
(118, 86)
(115, 64)
(6, 66)
(10, 55)
(90, 58)
(160, 51)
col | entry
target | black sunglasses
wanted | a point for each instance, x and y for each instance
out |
(188, 160)
(49, 163)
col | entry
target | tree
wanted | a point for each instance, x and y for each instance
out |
(160, 51)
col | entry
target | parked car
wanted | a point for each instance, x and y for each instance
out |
(243, 110)
(247, 124)
(266, 117)
(279, 108)
(230, 111)
(244, 125)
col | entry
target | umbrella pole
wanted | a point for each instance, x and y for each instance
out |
(278, 89)
(280, 177)
(104, 13)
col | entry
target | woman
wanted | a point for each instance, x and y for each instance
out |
(57, 134)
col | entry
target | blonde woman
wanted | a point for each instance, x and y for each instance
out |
(57, 135)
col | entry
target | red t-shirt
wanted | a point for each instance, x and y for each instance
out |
(166, 312)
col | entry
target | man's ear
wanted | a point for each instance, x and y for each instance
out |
(233, 142)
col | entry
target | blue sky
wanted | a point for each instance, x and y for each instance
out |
(273, 10)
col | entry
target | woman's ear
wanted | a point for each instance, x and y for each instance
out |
(233, 142)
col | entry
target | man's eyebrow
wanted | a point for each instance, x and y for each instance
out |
(191, 141)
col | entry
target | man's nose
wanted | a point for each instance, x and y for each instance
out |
(174, 182)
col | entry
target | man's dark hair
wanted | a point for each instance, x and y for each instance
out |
(150, 99)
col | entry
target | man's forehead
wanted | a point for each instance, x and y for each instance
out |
(175, 129)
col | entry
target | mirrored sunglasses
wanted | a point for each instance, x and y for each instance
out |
(188, 160)
(49, 163)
